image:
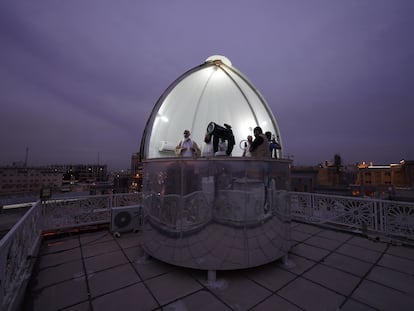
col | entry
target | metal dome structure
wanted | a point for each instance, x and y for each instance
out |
(213, 91)
(219, 212)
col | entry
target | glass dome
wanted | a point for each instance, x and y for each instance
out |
(214, 91)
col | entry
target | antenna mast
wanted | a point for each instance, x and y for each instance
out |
(26, 157)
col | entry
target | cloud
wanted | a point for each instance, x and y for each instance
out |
(338, 75)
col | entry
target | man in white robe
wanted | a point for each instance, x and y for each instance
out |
(187, 148)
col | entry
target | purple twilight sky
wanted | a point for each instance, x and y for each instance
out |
(79, 78)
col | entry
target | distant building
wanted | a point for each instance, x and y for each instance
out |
(122, 182)
(402, 174)
(393, 181)
(328, 178)
(373, 175)
(304, 178)
(83, 172)
(19, 180)
(136, 164)
(136, 172)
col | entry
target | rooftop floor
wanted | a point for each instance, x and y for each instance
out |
(327, 270)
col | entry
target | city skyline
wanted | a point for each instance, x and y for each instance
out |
(79, 80)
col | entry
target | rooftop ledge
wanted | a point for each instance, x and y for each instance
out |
(345, 254)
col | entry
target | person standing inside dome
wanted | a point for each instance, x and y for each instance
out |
(208, 150)
(260, 146)
(187, 148)
(273, 145)
(248, 143)
(222, 147)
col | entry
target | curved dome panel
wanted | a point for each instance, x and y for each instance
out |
(214, 91)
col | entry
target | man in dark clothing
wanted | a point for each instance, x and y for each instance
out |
(273, 145)
(260, 146)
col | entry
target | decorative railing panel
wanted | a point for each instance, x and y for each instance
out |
(398, 218)
(20, 245)
(17, 248)
(222, 205)
(301, 205)
(127, 199)
(91, 210)
(70, 212)
(388, 218)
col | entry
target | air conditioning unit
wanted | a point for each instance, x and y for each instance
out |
(126, 218)
(166, 146)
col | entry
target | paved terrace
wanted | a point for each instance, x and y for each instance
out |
(326, 270)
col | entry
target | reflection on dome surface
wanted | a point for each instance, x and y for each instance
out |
(213, 213)
(213, 91)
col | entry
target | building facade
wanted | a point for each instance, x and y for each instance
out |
(18, 180)
(136, 172)
(83, 172)
(304, 178)
(393, 181)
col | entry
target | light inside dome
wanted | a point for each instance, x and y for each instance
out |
(212, 92)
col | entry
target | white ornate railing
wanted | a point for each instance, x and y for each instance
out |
(21, 243)
(17, 248)
(72, 212)
(387, 218)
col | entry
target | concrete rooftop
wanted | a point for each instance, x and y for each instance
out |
(327, 270)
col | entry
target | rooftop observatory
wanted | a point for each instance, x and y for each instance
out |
(220, 212)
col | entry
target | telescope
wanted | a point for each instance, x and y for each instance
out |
(218, 132)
